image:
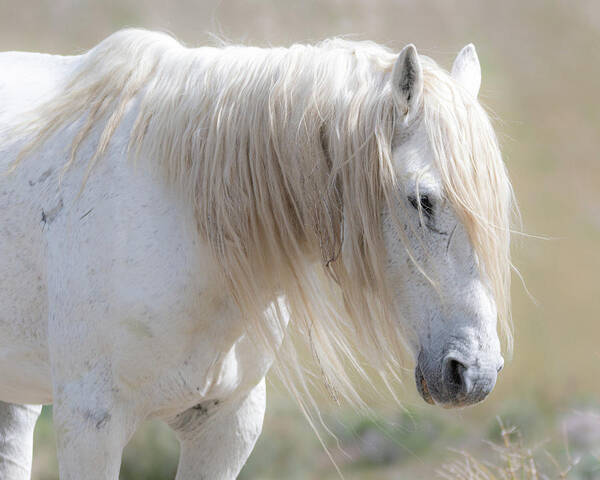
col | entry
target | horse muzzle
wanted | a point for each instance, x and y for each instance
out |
(456, 381)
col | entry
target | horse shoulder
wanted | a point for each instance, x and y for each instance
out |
(132, 283)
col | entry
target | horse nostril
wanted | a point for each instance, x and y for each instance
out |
(454, 372)
(465, 383)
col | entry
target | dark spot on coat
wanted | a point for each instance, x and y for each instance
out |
(100, 423)
(86, 214)
(43, 177)
(49, 216)
(99, 419)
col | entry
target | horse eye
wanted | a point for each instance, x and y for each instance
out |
(426, 205)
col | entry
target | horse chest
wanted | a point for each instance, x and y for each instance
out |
(193, 362)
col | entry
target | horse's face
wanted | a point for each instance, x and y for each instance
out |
(451, 316)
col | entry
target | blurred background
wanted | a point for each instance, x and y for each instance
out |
(541, 81)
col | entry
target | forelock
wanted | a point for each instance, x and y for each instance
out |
(467, 156)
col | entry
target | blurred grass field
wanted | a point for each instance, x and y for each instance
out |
(541, 80)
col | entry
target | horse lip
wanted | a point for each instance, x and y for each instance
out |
(422, 387)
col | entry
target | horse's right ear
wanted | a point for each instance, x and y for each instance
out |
(407, 81)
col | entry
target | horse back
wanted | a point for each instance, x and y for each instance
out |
(28, 79)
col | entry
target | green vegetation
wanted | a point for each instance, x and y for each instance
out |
(415, 443)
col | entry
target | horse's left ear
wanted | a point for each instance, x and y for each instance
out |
(407, 81)
(466, 69)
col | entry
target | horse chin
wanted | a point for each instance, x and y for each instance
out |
(422, 386)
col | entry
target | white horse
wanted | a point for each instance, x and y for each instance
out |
(165, 210)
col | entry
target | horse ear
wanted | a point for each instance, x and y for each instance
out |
(466, 69)
(407, 81)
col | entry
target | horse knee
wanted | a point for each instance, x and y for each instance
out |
(91, 432)
(216, 440)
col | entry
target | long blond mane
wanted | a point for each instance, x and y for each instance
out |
(285, 156)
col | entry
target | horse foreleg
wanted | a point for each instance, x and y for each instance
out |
(92, 428)
(17, 423)
(216, 438)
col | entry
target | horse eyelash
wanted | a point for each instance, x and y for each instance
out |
(427, 209)
(424, 205)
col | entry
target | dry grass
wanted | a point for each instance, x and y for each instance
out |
(514, 460)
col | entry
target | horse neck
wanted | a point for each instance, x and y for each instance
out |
(274, 168)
